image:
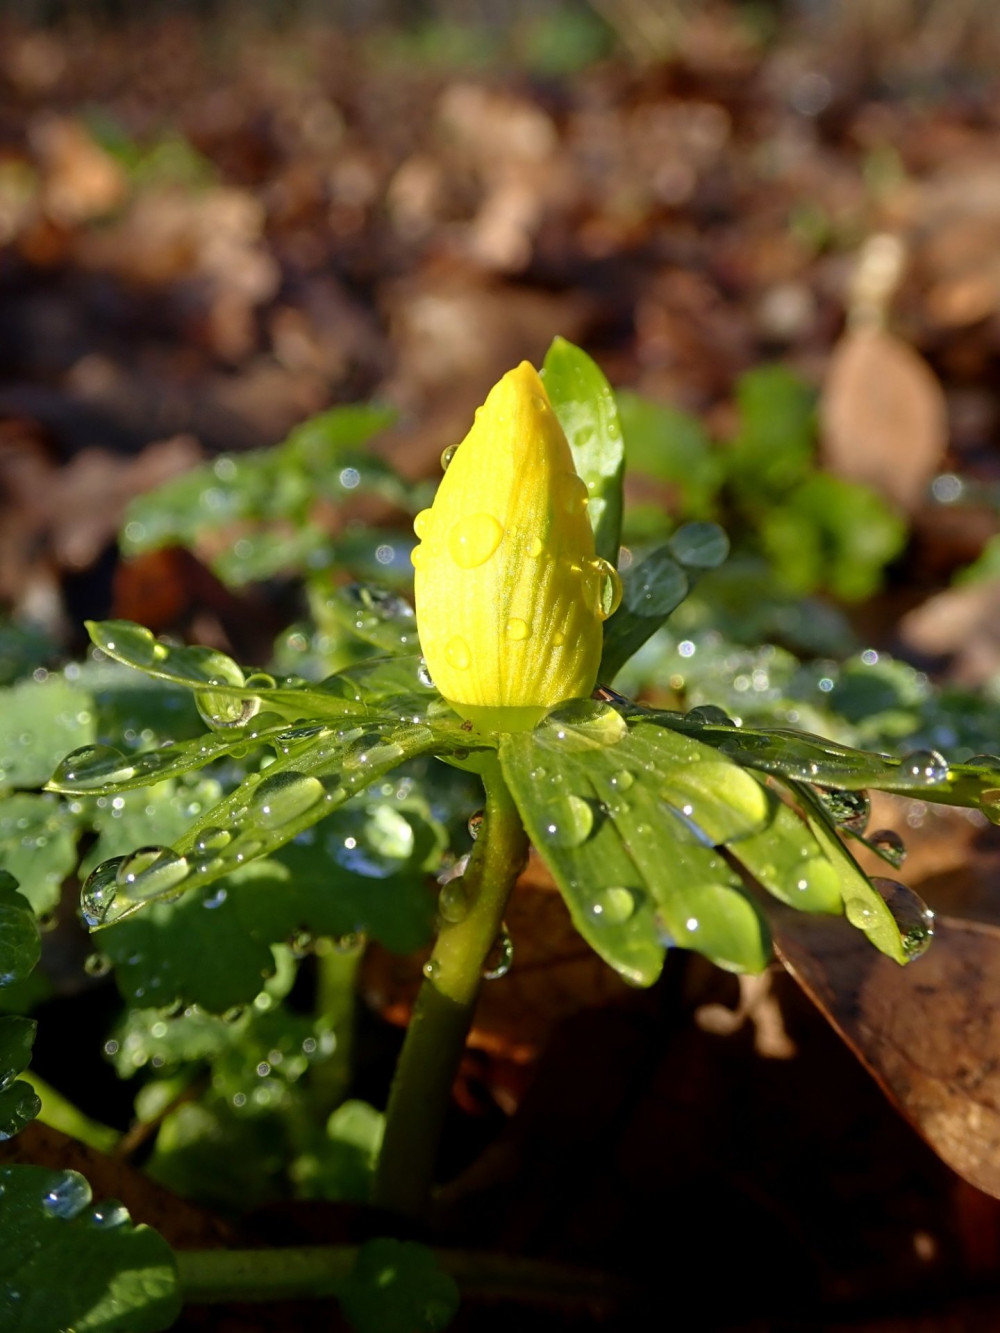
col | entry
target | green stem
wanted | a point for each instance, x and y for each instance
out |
(216, 1277)
(442, 1015)
(58, 1112)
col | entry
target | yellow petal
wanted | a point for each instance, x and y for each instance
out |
(509, 594)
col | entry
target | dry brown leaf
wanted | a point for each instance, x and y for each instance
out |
(962, 623)
(928, 1032)
(883, 416)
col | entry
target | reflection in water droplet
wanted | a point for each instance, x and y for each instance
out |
(68, 1196)
(910, 913)
(447, 455)
(889, 845)
(281, 799)
(151, 871)
(925, 768)
(93, 766)
(517, 629)
(609, 588)
(849, 809)
(97, 965)
(453, 901)
(569, 824)
(500, 958)
(222, 711)
(457, 653)
(212, 840)
(476, 824)
(614, 906)
(473, 539)
(585, 724)
(97, 897)
(423, 675)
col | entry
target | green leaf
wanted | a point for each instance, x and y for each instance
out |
(672, 446)
(651, 589)
(20, 941)
(38, 846)
(774, 448)
(786, 858)
(19, 1103)
(39, 722)
(587, 411)
(342, 1167)
(396, 1286)
(66, 1264)
(377, 617)
(625, 819)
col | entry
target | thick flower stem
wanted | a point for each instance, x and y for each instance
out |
(443, 1012)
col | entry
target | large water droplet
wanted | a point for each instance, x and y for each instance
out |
(849, 809)
(911, 914)
(281, 799)
(423, 523)
(222, 711)
(924, 768)
(614, 906)
(447, 455)
(453, 901)
(860, 913)
(889, 845)
(570, 823)
(212, 839)
(622, 780)
(500, 957)
(68, 1196)
(476, 824)
(151, 871)
(473, 539)
(517, 629)
(98, 895)
(609, 588)
(585, 724)
(93, 766)
(108, 1214)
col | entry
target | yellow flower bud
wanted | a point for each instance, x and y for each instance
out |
(509, 593)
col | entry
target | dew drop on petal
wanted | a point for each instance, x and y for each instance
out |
(609, 588)
(447, 455)
(457, 653)
(535, 547)
(517, 629)
(422, 523)
(472, 540)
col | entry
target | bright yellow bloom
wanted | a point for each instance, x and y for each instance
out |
(509, 593)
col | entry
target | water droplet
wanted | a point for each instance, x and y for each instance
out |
(97, 965)
(234, 1014)
(215, 899)
(585, 724)
(212, 840)
(151, 871)
(424, 676)
(423, 523)
(285, 797)
(535, 547)
(848, 809)
(93, 766)
(453, 901)
(476, 824)
(473, 539)
(457, 653)
(222, 711)
(431, 969)
(622, 780)
(570, 824)
(500, 957)
(68, 1196)
(911, 914)
(860, 913)
(447, 455)
(108, 1215)
(301, 944)
(614, 906)
(517, 629)
(889, 845)
(558, 639)
(925, 768)
(98, 895)
(711, 716)
(609, 588)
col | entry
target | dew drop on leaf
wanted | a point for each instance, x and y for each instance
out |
(225, 710)
(848, 809)
(151, 871)
(68, 1197)
(889, 845)
(99, 892)
(622, 780)
(286, 796)
(924, 767)
(585, 724)
(910, 913)
(476, 824)
(108, 1215)
(453, 901)
(97, 965)
(93, 766)
(570, 823)
(212, 840)
(614, 905)
(860, 913)
(711, 716)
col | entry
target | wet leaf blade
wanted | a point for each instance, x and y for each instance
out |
(112, 1278)
(585, 405)
(20, 940)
